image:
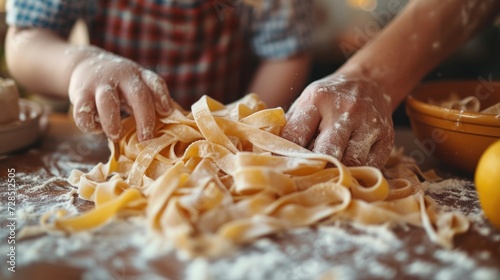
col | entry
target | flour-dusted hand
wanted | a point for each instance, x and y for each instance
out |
(348, 118)
(102, 83)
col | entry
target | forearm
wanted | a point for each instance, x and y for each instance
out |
(278, 82)
(40, 60)
(416, 41)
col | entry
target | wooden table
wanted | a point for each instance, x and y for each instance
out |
(122, 249)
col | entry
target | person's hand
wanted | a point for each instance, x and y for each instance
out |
(102, 84)
(349, 119)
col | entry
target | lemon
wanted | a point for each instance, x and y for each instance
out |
(487, 181)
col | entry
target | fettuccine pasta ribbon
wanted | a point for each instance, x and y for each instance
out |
(221, 175)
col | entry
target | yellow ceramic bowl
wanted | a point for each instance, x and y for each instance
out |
(455, 138)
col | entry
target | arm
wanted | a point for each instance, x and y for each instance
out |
(281, 37)
(278, 82)
(349, 112)
(40, 60)
(96, 82)
(421, 37)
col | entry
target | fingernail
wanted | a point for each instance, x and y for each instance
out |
(115, 137)
(146, 135)
(166, 106)
(85, 124)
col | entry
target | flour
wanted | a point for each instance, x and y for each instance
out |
(460, 195)
(354, 251)
(86, 108)
(358, 151)
(159, 90)
(485, 273)
(44, 185)
(421, 269)
(419, 250)
(123, 249)
(85, 117)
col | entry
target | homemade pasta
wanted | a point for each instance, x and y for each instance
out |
(220, 176)
(468, 104)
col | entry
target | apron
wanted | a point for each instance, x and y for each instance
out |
(197, 47)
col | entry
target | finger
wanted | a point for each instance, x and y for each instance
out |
(139, 99)
(358, 147)
(108, 107)
(381, 150)
(159, 89)
(302, 125)
(84, 112)
(333, 140)
(379, 154)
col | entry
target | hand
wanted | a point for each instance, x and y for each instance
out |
(349, 119)
(102, 83)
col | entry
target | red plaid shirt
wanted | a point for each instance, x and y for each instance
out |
(191, 48)
(198, 46)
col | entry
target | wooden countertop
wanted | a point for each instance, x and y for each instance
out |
(122, 250)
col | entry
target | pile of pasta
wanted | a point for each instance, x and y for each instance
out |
(467, 104)
(220, 176)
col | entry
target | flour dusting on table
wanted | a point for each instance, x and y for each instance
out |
(124, 250)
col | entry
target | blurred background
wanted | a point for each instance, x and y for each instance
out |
(344, 26)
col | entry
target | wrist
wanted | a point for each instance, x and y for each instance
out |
(77, 54)
(391, 83)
